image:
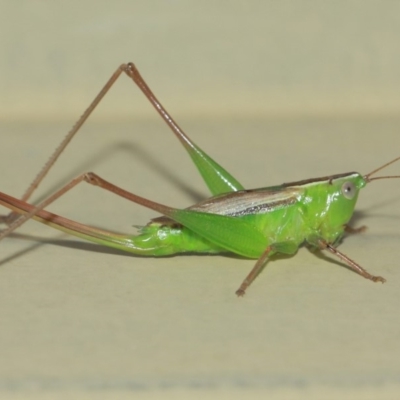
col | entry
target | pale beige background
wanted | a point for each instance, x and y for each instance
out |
(275, 91)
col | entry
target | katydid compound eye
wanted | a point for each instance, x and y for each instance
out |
(348, 190)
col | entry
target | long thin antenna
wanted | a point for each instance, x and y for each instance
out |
(368, 178)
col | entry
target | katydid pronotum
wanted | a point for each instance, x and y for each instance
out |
(252, 223)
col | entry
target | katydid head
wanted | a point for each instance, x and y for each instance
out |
(342, 191)
(350, 184)
(345, 191)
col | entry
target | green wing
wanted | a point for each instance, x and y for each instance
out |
(218, 219)
(245, 202)
(233, 234)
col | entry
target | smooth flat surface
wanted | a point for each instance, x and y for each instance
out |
(82, 320)
(204, 58)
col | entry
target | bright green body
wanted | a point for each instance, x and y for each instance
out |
(307, 212)
(244, 222)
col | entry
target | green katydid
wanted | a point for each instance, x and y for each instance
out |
(252, 223)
